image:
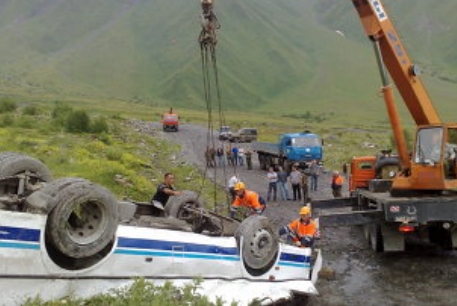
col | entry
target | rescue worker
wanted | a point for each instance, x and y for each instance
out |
(302, 231)
(337, 184)
(247, 198)
(164, 191)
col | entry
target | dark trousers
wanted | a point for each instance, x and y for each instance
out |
(296, 191)
(337, 192)
(272, 188)
(305, 194)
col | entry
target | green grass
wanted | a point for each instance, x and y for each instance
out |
(140, 293)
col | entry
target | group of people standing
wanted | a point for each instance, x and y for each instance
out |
(301, 182)
(228, 156)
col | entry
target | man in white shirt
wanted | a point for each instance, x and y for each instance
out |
(272, 177)
(231, 185)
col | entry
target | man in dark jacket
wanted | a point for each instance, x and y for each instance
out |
(164, 191)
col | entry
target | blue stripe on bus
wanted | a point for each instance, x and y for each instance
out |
(19, 234)
(177, 254)
(295, 265)
(159, 245)
(294, 258)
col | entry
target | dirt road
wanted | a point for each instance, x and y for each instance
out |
(417, 277)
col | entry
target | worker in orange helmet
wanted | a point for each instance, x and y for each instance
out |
(302, 231)
(337, 184)
(247, 198)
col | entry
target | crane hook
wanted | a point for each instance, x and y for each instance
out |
(209, 25)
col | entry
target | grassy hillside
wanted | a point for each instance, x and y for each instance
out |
(275, 57)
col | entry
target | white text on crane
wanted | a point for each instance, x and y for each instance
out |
(377, 7)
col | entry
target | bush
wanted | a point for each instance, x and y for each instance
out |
(30, 110)
(99, 126)
(26, 122)
(60, 113)
(141, 292)
(77, 122)
(7, 105)
(6, 121)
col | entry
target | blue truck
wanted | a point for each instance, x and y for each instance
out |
(291, 148)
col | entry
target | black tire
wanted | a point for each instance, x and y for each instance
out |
(259, 244)
(6, 155)
(15, 163)
(176, 205)
(84, 219)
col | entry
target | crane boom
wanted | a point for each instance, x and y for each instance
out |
(378, 27)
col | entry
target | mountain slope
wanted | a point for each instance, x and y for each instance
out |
(273, 56)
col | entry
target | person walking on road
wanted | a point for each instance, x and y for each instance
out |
(272, 177)
(302, 231)
(282, 184)
(295, 181)
(337, 185)
(314, 170)
(247, 198)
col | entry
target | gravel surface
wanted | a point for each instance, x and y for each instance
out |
(421, 276)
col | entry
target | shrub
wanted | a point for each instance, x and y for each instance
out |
(6, 120)
(141, 292)
(99, 126)
(25, 122)
(30, 110)
(77, 122)
(7, 105)
(60, 113)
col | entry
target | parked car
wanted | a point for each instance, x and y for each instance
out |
(225, 132)
(244, 135)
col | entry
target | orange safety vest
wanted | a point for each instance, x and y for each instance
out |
(250, 200)
(337, 181)
(299, 229)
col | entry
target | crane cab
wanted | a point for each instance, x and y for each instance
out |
(433, 162)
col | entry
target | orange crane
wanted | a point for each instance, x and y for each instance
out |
(423, 172)
(420, 202)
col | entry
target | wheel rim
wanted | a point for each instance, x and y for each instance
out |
(86, 222)
(261, 243)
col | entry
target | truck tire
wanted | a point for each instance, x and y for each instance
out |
(14, 163)
(259, 245)
(84, 219)
(262, 161)
(5, 155)
(176, 205)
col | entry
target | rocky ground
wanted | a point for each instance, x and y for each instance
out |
(417, 277)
